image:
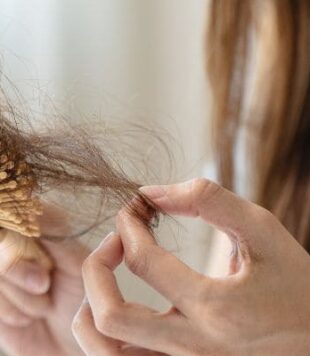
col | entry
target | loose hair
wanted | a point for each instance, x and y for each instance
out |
(258, 62)
(68, 161)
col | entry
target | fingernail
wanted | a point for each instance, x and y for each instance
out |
(154, 191)
(37, 281)
(107, 239)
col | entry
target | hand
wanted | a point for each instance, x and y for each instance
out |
(261, 308)
(37, 306)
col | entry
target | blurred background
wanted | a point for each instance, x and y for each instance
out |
(125, 61)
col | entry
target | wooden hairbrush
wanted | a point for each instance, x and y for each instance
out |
(19, 212)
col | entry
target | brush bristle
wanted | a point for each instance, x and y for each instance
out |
(18, 208)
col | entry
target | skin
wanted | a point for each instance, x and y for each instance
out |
(261, 308)
(37, 305)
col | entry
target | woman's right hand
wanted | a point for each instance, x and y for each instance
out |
(260, 308)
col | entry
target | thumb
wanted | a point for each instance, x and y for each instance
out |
(242, 220)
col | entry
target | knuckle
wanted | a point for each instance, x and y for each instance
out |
(77, 325)
(107, 321)
(138, 260)
(265, 214)
(90, 264)
(203, 188)
(262, 216)
(81, 319)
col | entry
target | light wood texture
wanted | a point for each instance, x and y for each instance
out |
(19, 211)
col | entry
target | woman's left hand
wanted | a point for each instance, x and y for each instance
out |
(261, 308)
(37, 305)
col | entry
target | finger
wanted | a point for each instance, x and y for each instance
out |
(134, 324)
(90, 340)
(237, 217)
(163, 271)
(97, 270)
(35, 306)
(29, 276)
(10, 315)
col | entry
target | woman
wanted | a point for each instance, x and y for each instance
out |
(262, 307)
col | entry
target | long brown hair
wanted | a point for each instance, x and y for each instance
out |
(258, 62)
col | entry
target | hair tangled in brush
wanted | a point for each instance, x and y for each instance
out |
(65, 160)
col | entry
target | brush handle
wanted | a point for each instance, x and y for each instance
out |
(14, 247)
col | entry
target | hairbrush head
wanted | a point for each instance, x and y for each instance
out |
(18, 208)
